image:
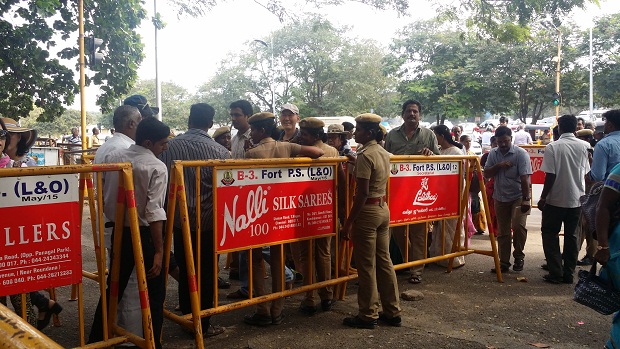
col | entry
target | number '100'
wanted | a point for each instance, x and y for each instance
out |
(259, 229)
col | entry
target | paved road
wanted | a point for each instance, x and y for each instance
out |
(465, 309)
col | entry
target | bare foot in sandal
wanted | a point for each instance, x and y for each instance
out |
(415, 279)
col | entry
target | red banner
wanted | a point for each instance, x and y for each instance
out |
(266, 206)
(424, 191)
(39, 233)
(536, 157)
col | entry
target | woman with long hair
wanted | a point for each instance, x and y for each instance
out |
(439, 245)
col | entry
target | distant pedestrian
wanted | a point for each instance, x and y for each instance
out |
(565, 164)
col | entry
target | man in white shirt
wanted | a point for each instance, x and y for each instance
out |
(522, 137)
(565, 164)
(150, 184)
(126, 119)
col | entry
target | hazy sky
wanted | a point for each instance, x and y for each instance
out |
(191, 48)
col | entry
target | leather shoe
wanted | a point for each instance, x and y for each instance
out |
(222, 284)
(550, 279)
(356, 322)
(586, 260)
(307, 309)
(503, 268)
(237, 295)
(326, 304)
(395, 321)
(518, 266)
(258, 320)
(544, 267)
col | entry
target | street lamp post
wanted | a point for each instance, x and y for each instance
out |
(273, 103)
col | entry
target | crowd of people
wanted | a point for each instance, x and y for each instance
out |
(572, 163)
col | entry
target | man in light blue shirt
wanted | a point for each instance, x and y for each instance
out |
(607, 150)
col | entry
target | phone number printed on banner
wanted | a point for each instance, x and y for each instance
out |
(263, 206)
(40, 233)
(424, 191)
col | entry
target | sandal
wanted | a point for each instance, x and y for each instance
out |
(54, 309)
(415, 279)
(213, 330)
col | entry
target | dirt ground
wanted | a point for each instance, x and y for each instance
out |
(465, 309)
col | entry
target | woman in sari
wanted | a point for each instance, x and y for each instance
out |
(608, 235)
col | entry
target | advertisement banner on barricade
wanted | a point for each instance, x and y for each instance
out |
(423, 191)
(270, 205)
(536, 154)
(39, 233)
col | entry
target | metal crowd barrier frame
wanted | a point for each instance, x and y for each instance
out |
(177, 200)
(16, 333)
(472, 165)
(113, 334)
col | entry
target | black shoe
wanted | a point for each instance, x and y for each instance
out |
(544, 267)
(258, 320)
(503, 268)
(327, 304)
(550, 279)
(586, 260)
(222, 284)
(55, 309)
(395, 321)
(567, 279)
(518, 266)
(307, 309)
(233, 275)
(356, 322)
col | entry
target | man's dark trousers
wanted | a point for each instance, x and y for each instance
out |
(561, 264)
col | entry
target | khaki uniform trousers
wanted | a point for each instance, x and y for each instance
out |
(376, 275)
(509, 216)
(320, 260)
(258, 279)
(416, 244)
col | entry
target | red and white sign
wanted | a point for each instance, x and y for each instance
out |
(424, 191)
(536, 158)
(266, 206)
(40, 236)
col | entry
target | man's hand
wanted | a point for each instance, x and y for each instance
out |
(525, 206)
(426, 152)
(541, 203)
(157, 263)
(505, 164)
(346, 230)
(602, 256)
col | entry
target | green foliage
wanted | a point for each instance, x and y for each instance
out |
(31, 75)
(61, 125)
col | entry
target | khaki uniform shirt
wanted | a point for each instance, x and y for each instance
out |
(270, 148)
(330, 152)
(396, 141)
(373, 163)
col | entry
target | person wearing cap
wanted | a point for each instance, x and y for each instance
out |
(196, 144)
(412, 139)
(367, 226)
(141, 103)
(289, 117)
(20, 142)
(222, 137)
(262, 127)
(312, 133)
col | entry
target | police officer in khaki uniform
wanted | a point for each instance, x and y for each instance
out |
(262, 126)
(367, 225)
(312, 133)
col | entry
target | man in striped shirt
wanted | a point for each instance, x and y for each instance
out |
(196, 144)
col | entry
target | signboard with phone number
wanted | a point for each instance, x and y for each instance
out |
(263, 206)
(422, 192)
(39, 233)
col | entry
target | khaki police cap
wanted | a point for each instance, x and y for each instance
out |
(220, 131)
(368, 117)
(260, 117)
(311, 122)
(336, 128)
(584, 132)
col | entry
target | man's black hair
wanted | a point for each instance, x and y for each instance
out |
(201, 115)
(244, 105)
(151, 129)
